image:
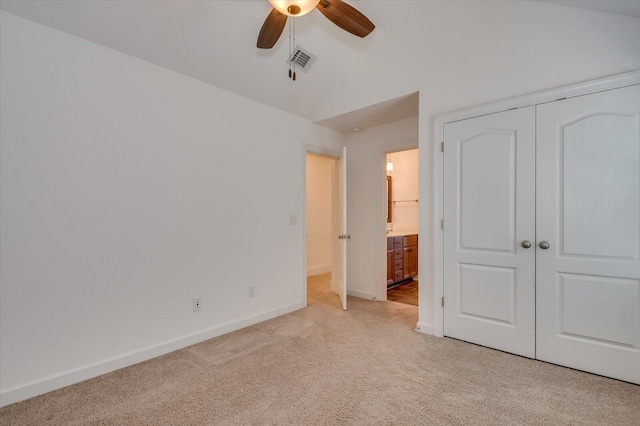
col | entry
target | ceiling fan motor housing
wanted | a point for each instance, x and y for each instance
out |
(294, 7)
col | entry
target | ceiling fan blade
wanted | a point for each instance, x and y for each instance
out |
(271, 29)
(346, 17)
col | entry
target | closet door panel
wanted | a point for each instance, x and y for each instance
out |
(489, 207)
(588, 210)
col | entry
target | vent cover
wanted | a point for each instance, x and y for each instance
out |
(302, 59)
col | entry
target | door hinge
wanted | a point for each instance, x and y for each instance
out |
(441, 146)
(442, 302)
(442, 224)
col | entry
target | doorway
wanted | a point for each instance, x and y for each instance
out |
(402, 212)
(323, 220)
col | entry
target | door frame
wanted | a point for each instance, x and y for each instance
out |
(570, 91)
(317, 150)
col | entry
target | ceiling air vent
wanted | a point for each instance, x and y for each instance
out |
(302, 59)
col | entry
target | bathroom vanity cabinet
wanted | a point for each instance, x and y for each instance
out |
(402, 258)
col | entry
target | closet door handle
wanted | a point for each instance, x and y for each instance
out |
(526, 244)
(544, 245)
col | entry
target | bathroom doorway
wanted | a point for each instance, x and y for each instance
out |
(402, 212)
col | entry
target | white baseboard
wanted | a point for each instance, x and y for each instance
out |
(424, 328)
(318, 269)
(57, 381)
(361, 294)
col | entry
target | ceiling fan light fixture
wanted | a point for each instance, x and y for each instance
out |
(294, 7)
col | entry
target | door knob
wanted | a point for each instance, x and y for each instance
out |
(526, 244)
(544, 245)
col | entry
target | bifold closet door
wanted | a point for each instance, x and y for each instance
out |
(588, 211)
(489, 230)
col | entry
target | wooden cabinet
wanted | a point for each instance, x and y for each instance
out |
(410, 256)
(390, 261)
(402, 258)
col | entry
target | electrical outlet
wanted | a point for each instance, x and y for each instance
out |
(197, 304)
(252, 291)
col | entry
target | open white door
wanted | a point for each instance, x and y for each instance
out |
(342, 236)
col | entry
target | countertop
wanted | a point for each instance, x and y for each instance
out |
(400, 233)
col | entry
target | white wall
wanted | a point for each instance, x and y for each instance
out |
(458, 54)
(320, 171)
(366, 175)
(126, 191)
(404, 183)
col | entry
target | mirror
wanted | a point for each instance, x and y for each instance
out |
(389, 199)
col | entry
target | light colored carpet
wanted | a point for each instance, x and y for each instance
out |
(320, 365)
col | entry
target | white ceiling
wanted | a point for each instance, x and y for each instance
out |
(619, 7)
(375, 115)
(215, 41)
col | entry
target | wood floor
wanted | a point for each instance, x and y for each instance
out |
(404, 293)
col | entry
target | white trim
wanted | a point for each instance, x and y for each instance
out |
(578, 89)
(437, 279)
(89, 371)
(382, 286)
(424, 328)
(361, 294)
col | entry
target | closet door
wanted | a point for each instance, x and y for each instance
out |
(588, 233)
(489, 208)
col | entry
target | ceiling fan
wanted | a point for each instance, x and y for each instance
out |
(337, 11)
